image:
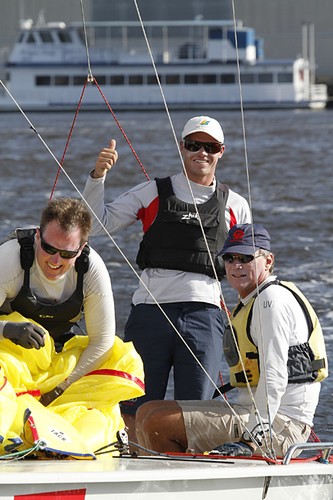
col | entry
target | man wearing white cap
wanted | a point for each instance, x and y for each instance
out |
(176, 264)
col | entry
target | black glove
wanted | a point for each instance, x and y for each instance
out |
(239, 449)
(50, 396)
(27, 335)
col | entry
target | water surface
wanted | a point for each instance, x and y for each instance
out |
(290, 161)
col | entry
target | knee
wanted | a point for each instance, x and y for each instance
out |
(153, 421)
(144, 415)
(142, 418)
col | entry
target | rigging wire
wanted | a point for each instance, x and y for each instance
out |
(121, 130)
(100, 222)
(190, 187)
(223, 303)
(61, 168)
(111, 238)
(259, 420)
(68, 140)
(261, 423)
(90, 79)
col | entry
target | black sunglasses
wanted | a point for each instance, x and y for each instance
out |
(243, 259)
(64, 254)
(209, 147)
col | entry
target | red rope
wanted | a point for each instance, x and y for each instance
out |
(313, 438)
(68, 138)
(121, 129)
(93, 80)
(224, 307)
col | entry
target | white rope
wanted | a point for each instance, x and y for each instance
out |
(103, 226)
(178, 149)
(190, 187)
(263, 364)
(194, 201)
(108, 234)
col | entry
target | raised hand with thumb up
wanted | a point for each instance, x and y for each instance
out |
(105, 161)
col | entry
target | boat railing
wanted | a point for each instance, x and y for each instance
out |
(318, 91)
(325, 448)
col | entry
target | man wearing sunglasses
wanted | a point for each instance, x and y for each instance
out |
(175, 262)
(274, 346)
(50, 274)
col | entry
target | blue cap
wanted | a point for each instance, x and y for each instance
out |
(244, 238)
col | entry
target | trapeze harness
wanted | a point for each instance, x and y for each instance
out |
(175, 240)
(56, 318)
(307, 362)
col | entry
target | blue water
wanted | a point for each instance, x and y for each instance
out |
(290, 159)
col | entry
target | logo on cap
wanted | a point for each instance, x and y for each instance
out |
(204, 122)
(238, 235)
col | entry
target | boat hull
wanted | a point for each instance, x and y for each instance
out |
(122, 478)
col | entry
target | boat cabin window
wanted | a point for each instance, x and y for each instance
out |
(230, 79)
(216, 34)
(46, 37)
(151, 79)
(191, 79)
(64, 36)
(43, 80)
(101, 79)
(30, 38)
(79, 79)
(248, 78)
(117, 80)
(285, 77)
(135, 79)
(265, 78)
(167, 79)
(171, 79)
(209, 78)
(61, 80)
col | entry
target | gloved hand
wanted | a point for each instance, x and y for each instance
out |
(27, 335)
(239, 449)
(50, 396)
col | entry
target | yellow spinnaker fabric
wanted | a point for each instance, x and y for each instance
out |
(85, 417)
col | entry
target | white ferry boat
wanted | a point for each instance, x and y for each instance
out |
(196, 62)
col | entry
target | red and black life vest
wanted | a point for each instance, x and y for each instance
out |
(175, 239)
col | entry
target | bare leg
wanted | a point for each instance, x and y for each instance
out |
(160, 426)
(129, 420)
(130, 426)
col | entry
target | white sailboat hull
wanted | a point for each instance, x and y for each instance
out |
(122, 478)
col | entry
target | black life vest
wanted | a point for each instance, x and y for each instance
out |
(56, 318)
(175, 240)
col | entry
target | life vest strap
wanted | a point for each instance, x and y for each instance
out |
(222, 390)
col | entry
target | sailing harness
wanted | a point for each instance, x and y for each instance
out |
(58, 319)
(307, 362)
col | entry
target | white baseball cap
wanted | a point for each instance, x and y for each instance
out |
(204, 124)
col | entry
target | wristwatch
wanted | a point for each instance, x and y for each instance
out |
(246, 436)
